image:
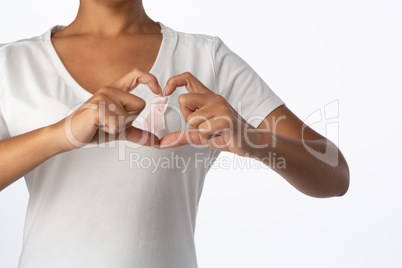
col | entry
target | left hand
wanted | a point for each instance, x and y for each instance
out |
(214, 123)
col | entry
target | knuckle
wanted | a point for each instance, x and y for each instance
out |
(136, 71)
(118, 125)
(114, 124)
(89, 106)
(141, 103)
(95, 99)
(103, 90)
(188, 74)
(221, 109)
(113, 130)
(100, 96)
(170, 81)
(182, 99)
(153, 77)
(205, 127)
(219, 99)
(189, 119)
(195, 120)
(93, 115)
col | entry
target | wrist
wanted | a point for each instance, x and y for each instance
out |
(55, 136)
(259, 144)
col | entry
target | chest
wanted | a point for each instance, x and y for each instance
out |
(95, 64)
(44, 94)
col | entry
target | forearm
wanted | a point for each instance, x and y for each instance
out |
(324, 174)
(21, 154)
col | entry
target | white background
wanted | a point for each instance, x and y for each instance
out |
(311, 53)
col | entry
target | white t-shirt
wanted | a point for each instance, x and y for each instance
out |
(116, 204)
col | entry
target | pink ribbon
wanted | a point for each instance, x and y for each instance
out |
(155, 120)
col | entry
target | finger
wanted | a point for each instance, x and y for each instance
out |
(110, 122)
(139, 136)
(216, 125)
(191, 102)
(194, 119)
(192, 84)
(135, 77)
(119, 101)
(180, 138)
(112, 116)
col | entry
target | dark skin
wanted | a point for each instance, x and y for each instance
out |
(109, 49)
(97, 57)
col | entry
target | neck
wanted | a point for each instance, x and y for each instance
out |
(111, 18)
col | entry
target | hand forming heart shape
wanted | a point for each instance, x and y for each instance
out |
(214, 123)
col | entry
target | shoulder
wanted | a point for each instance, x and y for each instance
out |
(17, 54)
(26, 44)
(195, 40)
(19, 58)
(199, 38)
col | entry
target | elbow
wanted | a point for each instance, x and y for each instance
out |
(343, 189)
(344, 177)
(338, 178)
(344, 182)
(335, 185)
(328, 191)
(341, 181)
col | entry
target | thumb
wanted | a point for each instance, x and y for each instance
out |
(139, 136)
(179, 138)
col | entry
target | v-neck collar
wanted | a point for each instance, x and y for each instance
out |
(157, 67)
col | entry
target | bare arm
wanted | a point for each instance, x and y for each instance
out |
(215, 124)
(22, 153)
(324, 174)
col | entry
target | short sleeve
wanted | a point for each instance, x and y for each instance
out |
(241, 86)
(3, 128)
(4, 133)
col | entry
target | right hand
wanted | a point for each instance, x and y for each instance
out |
(109, 114)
